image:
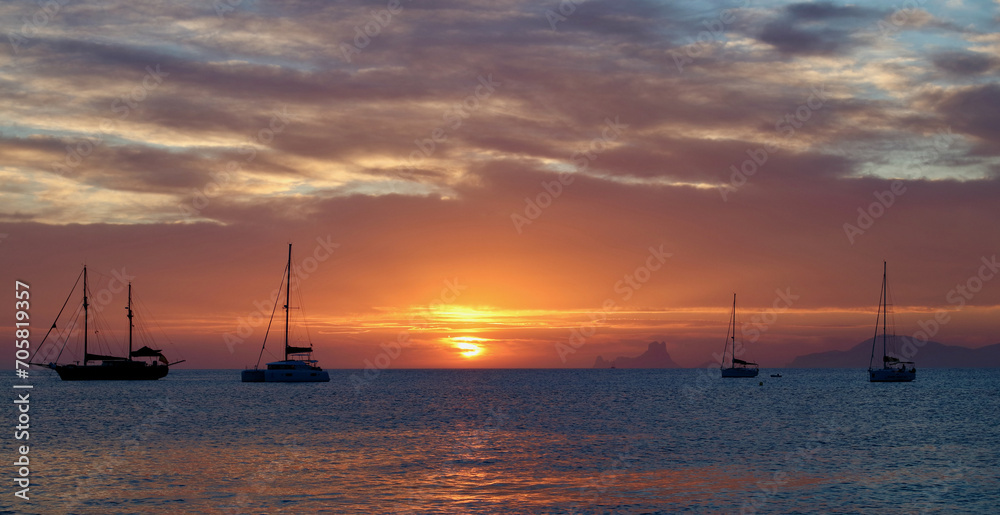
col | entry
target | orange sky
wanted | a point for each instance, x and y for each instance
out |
(470, 305)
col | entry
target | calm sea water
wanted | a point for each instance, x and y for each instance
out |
(517, 441)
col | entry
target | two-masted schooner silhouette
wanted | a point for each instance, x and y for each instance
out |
(143, 364)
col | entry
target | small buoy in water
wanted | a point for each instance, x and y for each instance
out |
(760, 383)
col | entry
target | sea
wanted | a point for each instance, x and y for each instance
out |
(512, 441)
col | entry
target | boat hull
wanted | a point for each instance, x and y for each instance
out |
(113, 371)
(288, 371)
(296, 376)
(740, 372)
(891, 375)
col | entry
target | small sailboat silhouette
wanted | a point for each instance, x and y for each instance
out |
(291, 369)
(737, 367)
(893, 370)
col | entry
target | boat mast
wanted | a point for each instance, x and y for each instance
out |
(85, 329)
(885, 310)
(288, 287)
(733, 317)
(732, 335)
(129, 320)
(878, 313)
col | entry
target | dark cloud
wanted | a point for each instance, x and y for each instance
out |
(964, 64)
(818, 11)
(787, 38)
(821, 28)
(976, 111)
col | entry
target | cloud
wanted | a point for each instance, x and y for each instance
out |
(975, 110)
(964, 64)
(821, 28)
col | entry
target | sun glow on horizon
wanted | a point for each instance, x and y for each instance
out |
(468, 345)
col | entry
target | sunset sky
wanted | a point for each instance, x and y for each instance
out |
(482, 178)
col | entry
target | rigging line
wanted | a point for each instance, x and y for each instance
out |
(270, 320)
(732, 324)
(147, 314)
(56, 320)
(881, 295)
(69, 332)
(737, 321)
(104, 334)
(298, 295)
(891, 315)
(78, 344)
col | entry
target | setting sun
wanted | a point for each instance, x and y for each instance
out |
(468, 345)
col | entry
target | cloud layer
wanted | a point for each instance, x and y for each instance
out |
(535, 152)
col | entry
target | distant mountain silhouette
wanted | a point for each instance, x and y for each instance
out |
(930, 355)
(655, 357)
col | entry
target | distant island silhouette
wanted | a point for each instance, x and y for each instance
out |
(656, 356)
(929, 355)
